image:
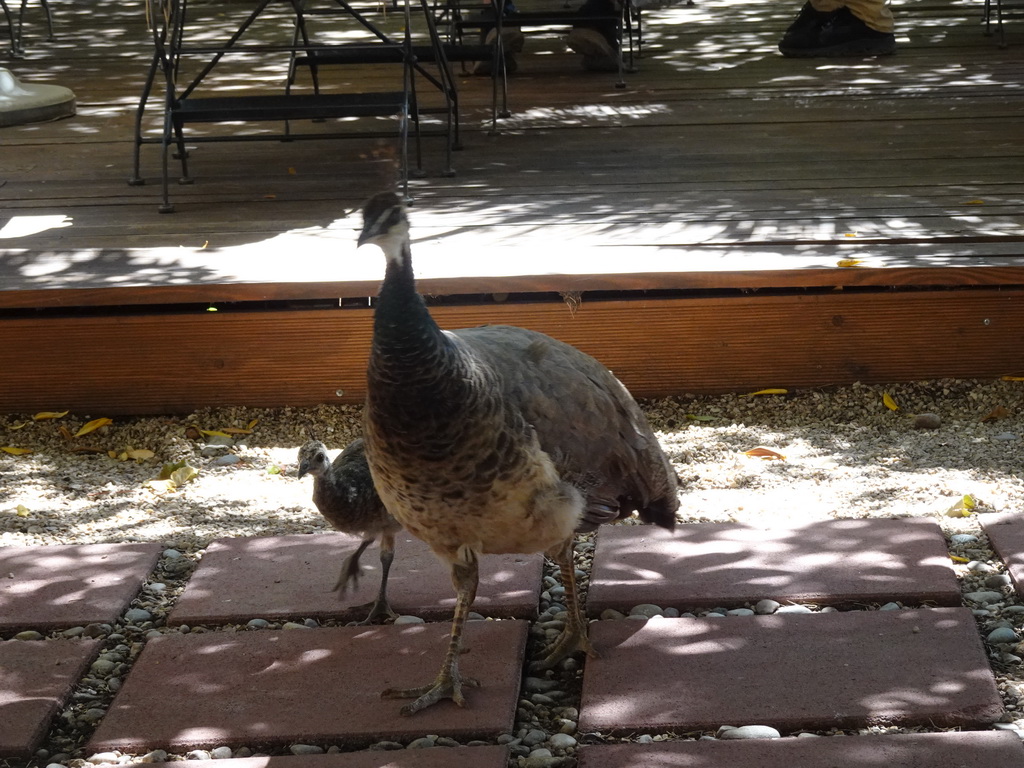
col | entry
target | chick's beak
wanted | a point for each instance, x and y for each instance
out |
(303, 469)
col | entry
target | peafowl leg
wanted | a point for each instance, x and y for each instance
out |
(350, 568)
(380, 609)
(574, 637)
(449, 683)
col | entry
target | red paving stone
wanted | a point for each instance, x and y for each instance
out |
(790, 671)
(729, 564)
(964, 749)
(435, 757)
(35, 679)
(1006, 534)
(64, 586)
(322, 685)
(293, 576)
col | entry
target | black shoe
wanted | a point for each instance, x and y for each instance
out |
(839, 33)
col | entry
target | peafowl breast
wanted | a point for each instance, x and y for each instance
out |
(496, 440)
(343, 492)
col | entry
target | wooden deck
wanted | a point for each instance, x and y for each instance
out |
(705, 213)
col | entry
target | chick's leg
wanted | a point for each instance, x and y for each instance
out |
(350, 568)
(380, 609)
(574, 637)
(448, 684)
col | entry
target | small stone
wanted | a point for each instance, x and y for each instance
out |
(739, 612)
(645, 738)
(444, 741)
(386, 746)
(794, 609)
(96, 630)
(257, 623)
(221, 753)
(93, 715)
(610, 614)
(73, 632)
(28, 634)
(927, 421)
(541, 752)
(765, 607)
(984, 597)
(670, 613)
(539, 685)
(211, 451)
(562, 741)
(423, 743)
(534, 737)
(891, 607)
(137, 615)
(102, 667)
(1005, 436)
(645, 609)
(409, 620)
(750, 732)
(102, 757)
(998, 580)
(979, 566)
(293, 625)
(1002, 635)
(172, 554)
(305, 749)
(960, 539)
(198, 754)
(226, 461)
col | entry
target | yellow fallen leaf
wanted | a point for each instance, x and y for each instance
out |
(774, 391)
(114, 455)
(139, 454)
(252, 424)
(216, 432)
(49, 415)
(694, 417)
(66, 433)
(999, 412)
(851, 234)
(234, 431)
(15, 451)
(975, 202)
(160, 486)
(889, 402)
(958, 559)
(764, 453)
(22, 511)
(92, 426)
(182, 475)
(849, 262)
(18, 425)
(963, 507)
(1011, 378)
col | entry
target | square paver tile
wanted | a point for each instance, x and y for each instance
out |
(50, 587)
(952, 749)
(438, 757)
(35, 679)
(317, 685)
(821, 670)
(727, 564)
(278, 577)
(1006, 534)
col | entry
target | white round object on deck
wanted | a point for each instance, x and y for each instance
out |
(33, 102)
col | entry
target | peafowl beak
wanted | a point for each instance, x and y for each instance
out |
(303, 469)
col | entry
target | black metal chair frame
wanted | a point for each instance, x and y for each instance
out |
(17, 50)
(181, 106)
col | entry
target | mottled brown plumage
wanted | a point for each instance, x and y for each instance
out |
(343, 492)
(494, 440)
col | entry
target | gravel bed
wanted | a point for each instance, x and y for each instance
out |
(847, 454)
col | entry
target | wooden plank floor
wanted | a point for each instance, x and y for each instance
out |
(721, 168)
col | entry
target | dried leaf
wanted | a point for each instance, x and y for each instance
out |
(92, 426)
(50, 415)
(22, 511)
(86, 449)
(252, 424)
(218, 433)
(170, 468)
(975, 202)
(849, 262)
(139, 454)
(1011, 378)
(18, 425)
(958, 559)
(963, 507)
(159, 486)
(999, 412)
(15, 451)
(693, 417)
(273, 469)
(228, 431)
(764, 453)
(182, 475)
(774, 391)
(114, 455)
(889, 402)
(66, 433)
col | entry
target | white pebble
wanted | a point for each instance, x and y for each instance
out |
(750, 732)
(409, 620)
(765, 607)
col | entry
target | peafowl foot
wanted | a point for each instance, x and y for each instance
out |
(448, 685)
